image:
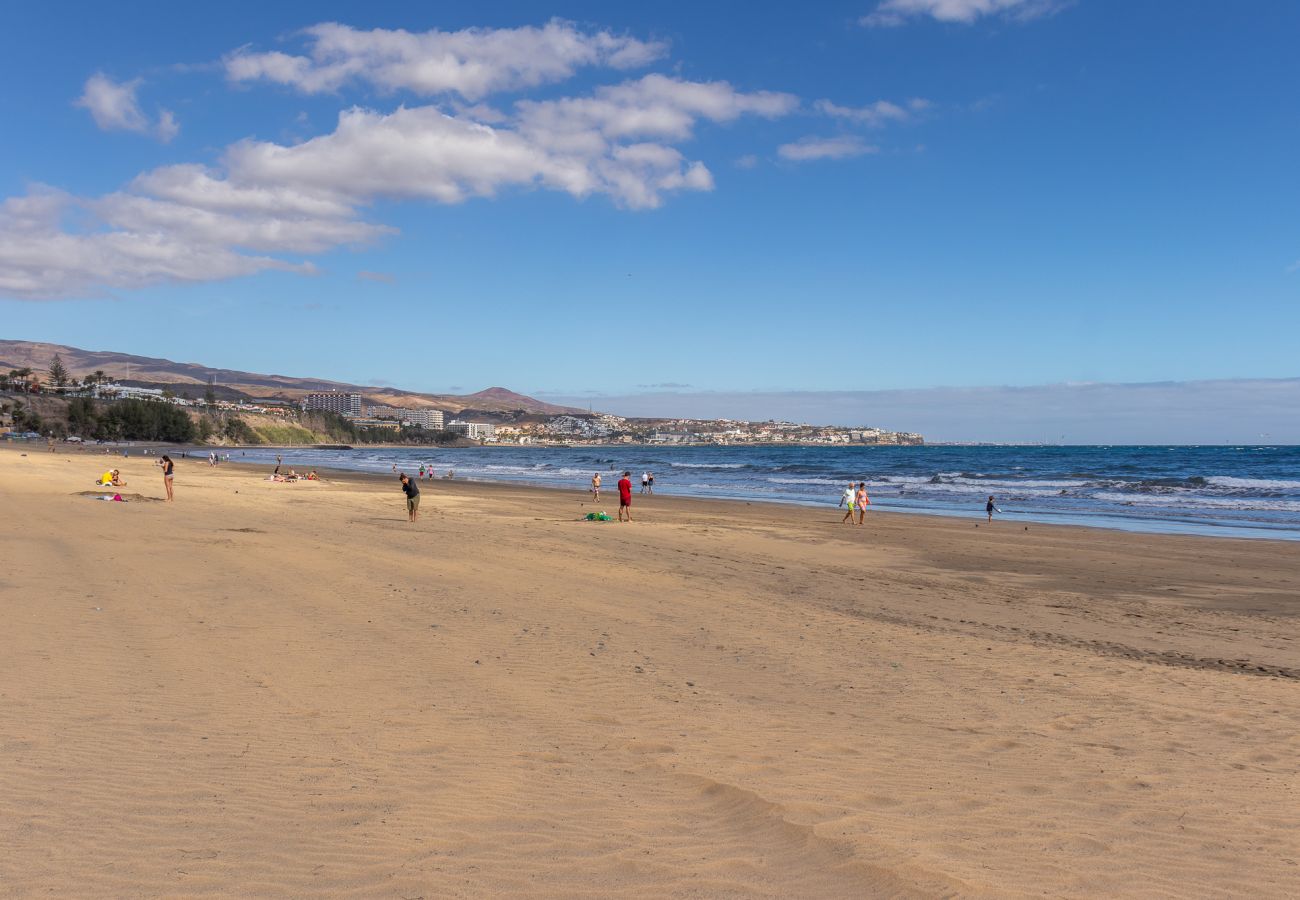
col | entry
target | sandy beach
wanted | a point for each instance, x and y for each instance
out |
(287, 690)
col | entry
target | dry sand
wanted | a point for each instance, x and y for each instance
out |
(286, 690)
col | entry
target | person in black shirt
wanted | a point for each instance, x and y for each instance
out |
(412, 491)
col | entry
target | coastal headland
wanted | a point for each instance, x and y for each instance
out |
(269, 689)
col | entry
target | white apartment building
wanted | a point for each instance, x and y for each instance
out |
(475, 431)
(431, 419)
(334, 401)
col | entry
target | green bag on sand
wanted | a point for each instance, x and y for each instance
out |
(599, 517)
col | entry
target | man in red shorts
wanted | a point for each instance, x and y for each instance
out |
(625, 496)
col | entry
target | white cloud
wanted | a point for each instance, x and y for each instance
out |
(168, 127)
(896, 12)
(114, 107)
(196, 223)
(41, 259)
(654, 106)
(879, 113)
(813, 148)
(473, 62)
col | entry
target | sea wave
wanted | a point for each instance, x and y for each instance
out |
(1263, 484)
(684, 465)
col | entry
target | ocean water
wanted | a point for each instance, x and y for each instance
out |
(1249, 491)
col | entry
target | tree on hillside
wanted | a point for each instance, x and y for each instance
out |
(58, 372)
(210, 395)
(18, 379)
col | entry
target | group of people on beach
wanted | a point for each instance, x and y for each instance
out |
(624, 492)
(854, 499)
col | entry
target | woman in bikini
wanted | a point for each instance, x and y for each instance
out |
(168, 471)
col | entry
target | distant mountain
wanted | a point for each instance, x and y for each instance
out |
(194, 376)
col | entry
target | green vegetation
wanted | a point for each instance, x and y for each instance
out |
(58, 372)
(144, 420)
(24, 418)
(345, 431)
(287, 434)
(237, 431)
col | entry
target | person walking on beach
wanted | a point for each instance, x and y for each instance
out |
(412, 491)
(625, 496)
(848, 498)
(991, 508)
(168, 473)
(595, 487)
(862, 500)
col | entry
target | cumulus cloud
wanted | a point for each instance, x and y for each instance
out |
(896, 12)
(40, 257)
(613, 142)
(194, 223)
(473, 62)
(114, 107)
(814, 148)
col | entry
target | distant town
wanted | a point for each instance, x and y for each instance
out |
(218, 418)
(601, 428)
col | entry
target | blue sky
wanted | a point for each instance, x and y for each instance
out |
(600, 200)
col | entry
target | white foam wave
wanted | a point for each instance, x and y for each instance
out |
(1192, 502)
(1265, 484)
(681, 465)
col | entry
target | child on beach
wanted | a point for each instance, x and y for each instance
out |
(849, 497)
(991, 508)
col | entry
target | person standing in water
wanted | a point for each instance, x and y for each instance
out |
(168, 474)
(991, 508)
(650, 482)
(862, 500)
(412, 492)
(848, 498)
(595, 487)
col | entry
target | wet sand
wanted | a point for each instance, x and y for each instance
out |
(285, 690)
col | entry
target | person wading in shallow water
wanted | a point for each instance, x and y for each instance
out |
(412, 492)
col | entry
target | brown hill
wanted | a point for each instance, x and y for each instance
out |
(155, 370)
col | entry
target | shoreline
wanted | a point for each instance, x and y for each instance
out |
(1097, 521)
